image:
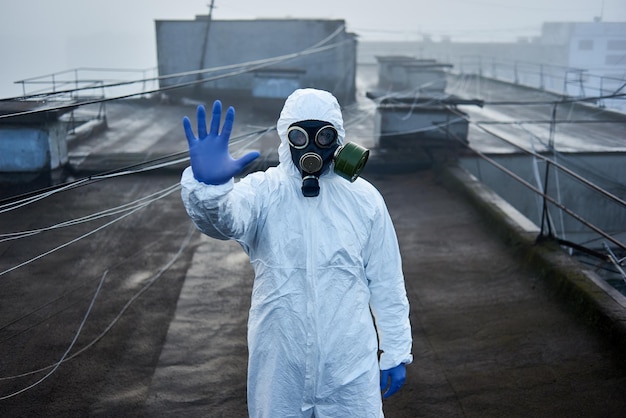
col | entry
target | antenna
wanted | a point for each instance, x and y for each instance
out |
(600, 18)
(206, 38)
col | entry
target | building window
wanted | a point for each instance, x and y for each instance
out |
(585, 45)
(615, 59)
(616, 45)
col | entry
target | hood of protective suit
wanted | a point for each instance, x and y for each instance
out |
(307, 104)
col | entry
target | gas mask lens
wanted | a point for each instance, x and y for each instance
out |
(325, 137)
(298, 137)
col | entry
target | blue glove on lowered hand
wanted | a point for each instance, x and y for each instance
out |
(393, 378)
(211, 162)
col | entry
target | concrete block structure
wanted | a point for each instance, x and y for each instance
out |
(398, 73)
(32, 149)
(31, 143)
(259, 59)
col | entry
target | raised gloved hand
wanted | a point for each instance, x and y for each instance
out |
(211, 162)
(392, 379)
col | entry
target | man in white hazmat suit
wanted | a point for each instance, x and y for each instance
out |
(325, 256)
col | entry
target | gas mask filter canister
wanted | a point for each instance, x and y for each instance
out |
(314, 157)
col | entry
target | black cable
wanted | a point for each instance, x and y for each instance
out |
(264, 63)
(564, 100)
(539, 192)
(132, 169)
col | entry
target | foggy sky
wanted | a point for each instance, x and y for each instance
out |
(38, 37)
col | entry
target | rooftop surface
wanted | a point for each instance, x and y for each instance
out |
(143, 316)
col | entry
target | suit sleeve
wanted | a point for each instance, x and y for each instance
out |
(225, 211)
(388, 300)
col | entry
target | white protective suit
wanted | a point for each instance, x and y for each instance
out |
(320, 264)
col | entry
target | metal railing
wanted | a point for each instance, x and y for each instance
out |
(550, 197)
(88, 82)
(573, 84)
(603, 91)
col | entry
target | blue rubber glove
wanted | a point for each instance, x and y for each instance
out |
(393, 379)
(211, 162)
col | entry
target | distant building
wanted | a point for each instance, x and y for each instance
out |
(599, 48)
(259, 59)
(579, 59)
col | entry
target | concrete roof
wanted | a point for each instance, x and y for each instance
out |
(501, 327)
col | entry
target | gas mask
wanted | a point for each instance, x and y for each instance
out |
(314, 148)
